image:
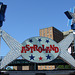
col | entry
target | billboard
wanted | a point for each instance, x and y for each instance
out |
(40, 49)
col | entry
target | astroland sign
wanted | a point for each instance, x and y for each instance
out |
(40, 49)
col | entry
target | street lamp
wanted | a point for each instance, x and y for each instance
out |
(2, 13)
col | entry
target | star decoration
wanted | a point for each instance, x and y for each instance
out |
(40, 58)
(39, 40)
(31, 57)
(48, 57)
(30, 41)
(47, 41)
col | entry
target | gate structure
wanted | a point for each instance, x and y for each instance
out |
(37, 49)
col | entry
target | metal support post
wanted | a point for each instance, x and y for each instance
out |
(0, 39)
(35, 66)
(74, 42)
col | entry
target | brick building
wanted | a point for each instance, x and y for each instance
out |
(52, 33)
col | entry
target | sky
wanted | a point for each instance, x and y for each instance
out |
(24, 18)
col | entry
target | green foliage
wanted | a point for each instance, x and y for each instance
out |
(67, 67)
(8, 68)
(60, 67)
(13, 69)
(64, 67)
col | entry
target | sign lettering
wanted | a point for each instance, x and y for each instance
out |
(39, 49)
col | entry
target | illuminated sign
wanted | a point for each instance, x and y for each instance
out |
(40, 49)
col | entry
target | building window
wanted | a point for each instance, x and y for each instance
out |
(53, 67)
(47, 34)
(49, 66)
(50, 31)
(47, 30)
(44, 34)
(50, 35)
(45, 67)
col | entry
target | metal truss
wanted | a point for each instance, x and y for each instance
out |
(64, 44)
(16, 47)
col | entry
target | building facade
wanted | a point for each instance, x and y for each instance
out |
(66, 33)
(52, 33)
